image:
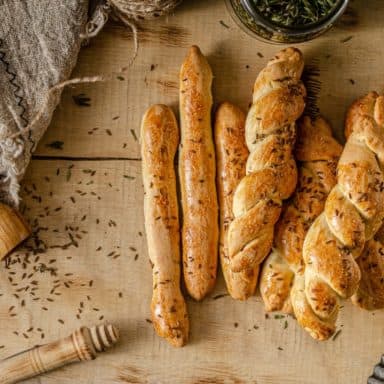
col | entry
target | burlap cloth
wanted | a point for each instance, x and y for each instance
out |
(39, 44)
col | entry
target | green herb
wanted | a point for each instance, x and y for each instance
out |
(285, 324)
(294, 12)
(56, 144)
(121, 78)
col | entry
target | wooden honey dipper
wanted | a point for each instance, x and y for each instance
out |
(81, 345)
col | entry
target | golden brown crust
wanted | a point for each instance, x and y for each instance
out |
(318, 328)
(370, 294)
(317, 153)
(197, 176)
(354, 211)
(231, 157)
(278, 101)
(160, 138)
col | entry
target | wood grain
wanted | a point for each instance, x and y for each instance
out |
(225, 345)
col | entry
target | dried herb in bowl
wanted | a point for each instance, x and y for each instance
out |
(286, 21)
(291, 13)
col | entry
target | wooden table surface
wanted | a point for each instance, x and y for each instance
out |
(87, 261)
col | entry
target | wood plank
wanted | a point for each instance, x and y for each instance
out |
(230, 341)
(235, 62)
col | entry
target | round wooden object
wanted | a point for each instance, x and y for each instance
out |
(13, 229)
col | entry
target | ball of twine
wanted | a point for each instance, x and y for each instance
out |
(144, 9)
(127, 11)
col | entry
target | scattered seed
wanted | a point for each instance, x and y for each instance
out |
(346, 39)
(56, 144)
(82, 100)
(219, 296)
(133, 134)
(223, 24)
(336, 335)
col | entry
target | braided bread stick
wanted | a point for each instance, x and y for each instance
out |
(370, 294)
(353, 213)
(197, 171)
(317, 153)
(160, 138)
(271, 174)
(231, 156)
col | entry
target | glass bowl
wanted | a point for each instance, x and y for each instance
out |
(244, 14)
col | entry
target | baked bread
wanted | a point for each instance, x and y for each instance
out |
(353, 213)
(231, 157)
(160, 138)
(370, 293)
(271, 174)
(197, 172)
(317, 153)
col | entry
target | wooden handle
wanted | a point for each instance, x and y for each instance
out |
(13, 229)
(378, 373)
(81, 345)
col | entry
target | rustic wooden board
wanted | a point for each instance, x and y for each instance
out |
(89, 195)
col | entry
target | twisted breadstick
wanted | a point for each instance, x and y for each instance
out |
(353, 213)
(231, 156)
(317, 152)
(370, 294)
(278, 101)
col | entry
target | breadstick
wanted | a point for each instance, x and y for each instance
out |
(231, 157)
(197, 176)
(270, 131)
(160, 138)
(317, 153)
(370, 294)
(353, 213)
